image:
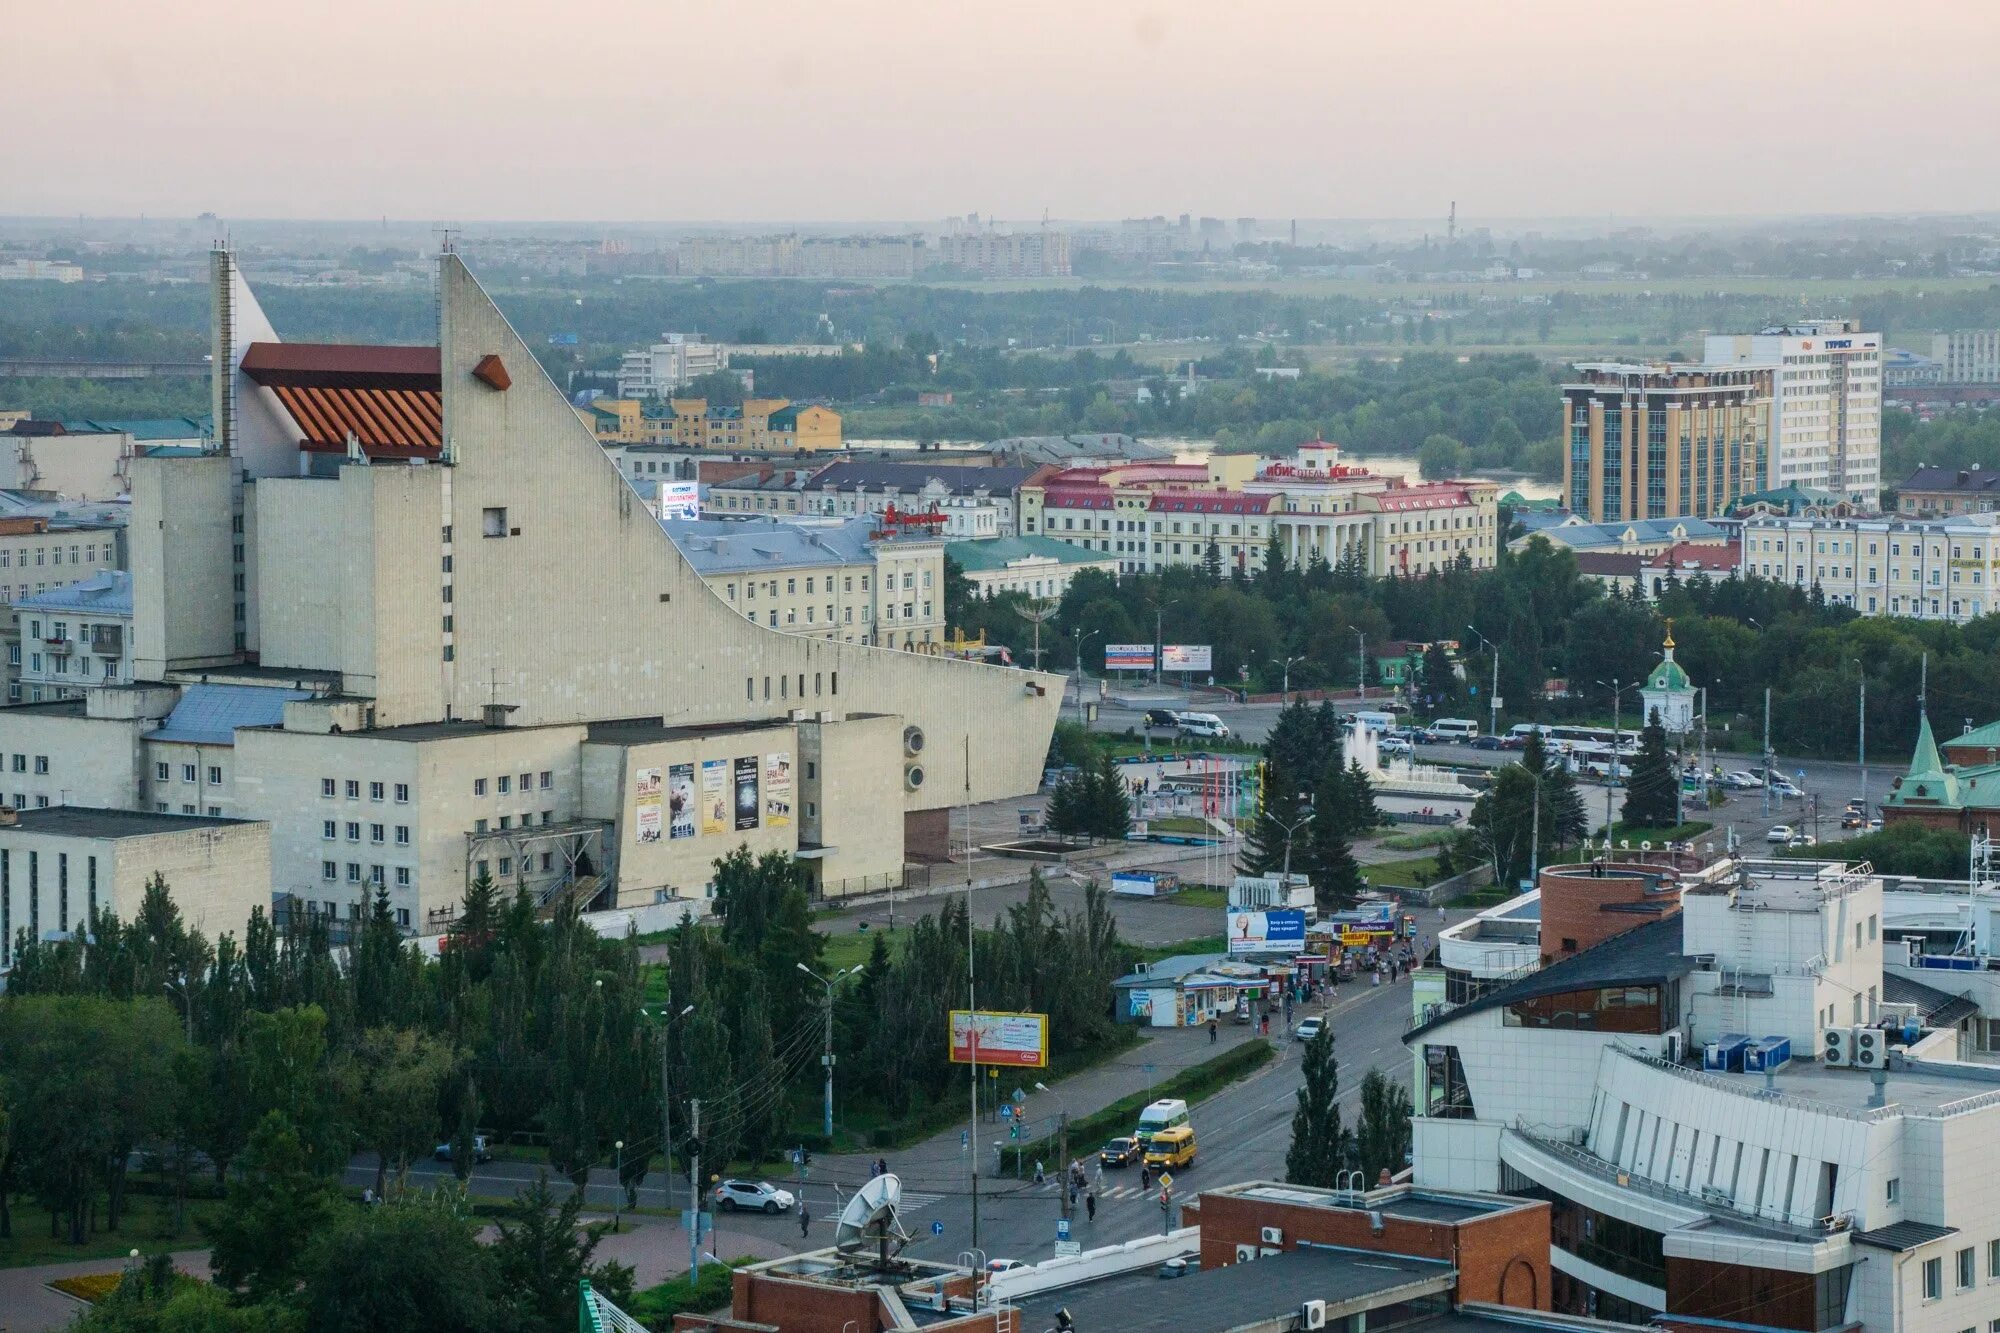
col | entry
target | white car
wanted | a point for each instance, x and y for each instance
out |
(758, 1196)
(1741, 781)
(1803, 840)
(1785, 789)
(1003, 1265)
(1308, 1028)
(1393, 747)
(1204, 728)
(1780, 835)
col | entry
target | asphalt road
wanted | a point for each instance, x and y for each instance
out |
(1243, 1132)
(1833, 782)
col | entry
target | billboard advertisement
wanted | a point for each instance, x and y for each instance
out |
(778, 789)
(680, 499)
(715, 796)
(1187, 657)
(680, 801)
(1267, 932)
(1128, 657)
(999, 1038)
(746, 792)
(647, 808)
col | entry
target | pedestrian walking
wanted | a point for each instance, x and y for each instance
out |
(1040, 1179)
(1090, 1205)
(1211, 1032)
(805, 1220)
(1145, 1177)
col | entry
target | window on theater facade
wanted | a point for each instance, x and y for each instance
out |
(1602, 1009)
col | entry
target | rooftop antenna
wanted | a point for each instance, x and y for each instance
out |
(1451, 224)
(447, 235)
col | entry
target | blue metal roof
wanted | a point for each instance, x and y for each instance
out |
(105, 594)
(210, 714)
(728, 546)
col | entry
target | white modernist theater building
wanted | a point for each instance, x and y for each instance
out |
(1855, 1184)
(406, 612)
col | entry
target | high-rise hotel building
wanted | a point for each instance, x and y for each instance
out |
(1663, 440)
(1826, 410)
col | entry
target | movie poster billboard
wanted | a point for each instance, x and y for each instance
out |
(647, 807)
(680, 801)
(1187, 657)
(715, 796)
(746, 792)
(778, 789)
(1267, 932)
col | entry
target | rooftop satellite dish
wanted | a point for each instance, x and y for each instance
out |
(870, 1218)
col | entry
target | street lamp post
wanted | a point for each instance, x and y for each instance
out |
(1617, 689)
(826, 1058)
(1361, 665)
(667, 1020)
(1159, 637)
(1062, 1147)
(1082, 638)
(1861, 742)
(1290, 829)
(618, 1198)
(1493, 698)
(1285, 688)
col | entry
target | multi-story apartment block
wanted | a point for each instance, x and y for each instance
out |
(1734, 1109)
(976, 501)
(74, 638)
(1157, 515)
(657, 371)
(41, 550)
(1938, 569)
(793, 256)
(855, 581)
(1937, 492)
(1663, 441)
(404, 612)
(1969, 356)
(1021, 254)
(1826, 403)
(760, 425)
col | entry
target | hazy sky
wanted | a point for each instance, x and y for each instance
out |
(826, 109)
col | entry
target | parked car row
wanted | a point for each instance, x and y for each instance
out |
(1204, 726)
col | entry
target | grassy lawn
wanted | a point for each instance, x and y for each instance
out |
(1416, 842)
(1193, 1083)
(1178, 824)
(1153, 953)
(1694, 828)
(859, 1126)
(147, 1226)
(1415, 873)
(657, 1306)
(1201, 895)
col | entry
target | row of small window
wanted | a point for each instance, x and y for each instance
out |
(329, 871)
(78, 555)
(187, 808)
(785, 683)
(164, 772)
(504, 784)
(484, 869)
(527, 818)
(8, 590)
(78, 665)
(19, 763)
(792, 615)
(331, 910)
(1965, 1269)
(329, 789)
(792, 585)
(329, 829)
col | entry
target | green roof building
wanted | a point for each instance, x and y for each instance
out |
(1669, 692)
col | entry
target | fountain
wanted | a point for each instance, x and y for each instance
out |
(1407, 785)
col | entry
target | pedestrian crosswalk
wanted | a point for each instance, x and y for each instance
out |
(913, 1201)
(1103, 1191)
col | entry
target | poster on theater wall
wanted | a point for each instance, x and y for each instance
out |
(680, 801)
(647, 806)
(778, 789)
(715, 796)
(746, 792)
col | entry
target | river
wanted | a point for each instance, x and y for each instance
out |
(1193, 450)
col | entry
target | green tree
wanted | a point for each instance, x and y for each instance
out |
(415, 1266)
(1319, 1147)
(1382, 1133)
(1439, 687)
(541, 1254)
(1652, 790)
(1211, 562)
(1440, 458)
(276, 1205)
(393, 1079)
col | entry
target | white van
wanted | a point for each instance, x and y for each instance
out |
(1206, 725)
(1166, 1113)
(1457, 730)
(1375, 722)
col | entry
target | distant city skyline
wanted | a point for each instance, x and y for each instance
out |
(878, 110)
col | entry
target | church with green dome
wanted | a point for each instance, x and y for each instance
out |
(1669, 692)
